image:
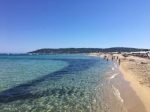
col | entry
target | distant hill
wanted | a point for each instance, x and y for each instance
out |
(86, 50)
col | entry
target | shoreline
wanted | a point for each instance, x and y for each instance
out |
(142, 91)
(132, 72)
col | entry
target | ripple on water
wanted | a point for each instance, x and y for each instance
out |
(70, 84)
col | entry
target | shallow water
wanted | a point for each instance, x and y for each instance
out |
(58, 83)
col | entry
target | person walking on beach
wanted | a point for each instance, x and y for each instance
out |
(117, 57)
(104, 57)
(119, 61)
(107, 59)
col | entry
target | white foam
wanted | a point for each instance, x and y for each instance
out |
(117, 94)
(113, 76)
(113, 68)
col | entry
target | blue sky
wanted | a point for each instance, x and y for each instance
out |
(26, 25)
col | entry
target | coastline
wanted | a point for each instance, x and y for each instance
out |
(136, 71)
(136, 76)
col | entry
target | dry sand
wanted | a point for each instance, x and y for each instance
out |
(137, 72)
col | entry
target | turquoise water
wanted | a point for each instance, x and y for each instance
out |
(54, 83)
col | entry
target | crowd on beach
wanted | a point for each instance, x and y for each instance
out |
(118, 57)
(113, 58)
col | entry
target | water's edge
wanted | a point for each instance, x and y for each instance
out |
(74, 83)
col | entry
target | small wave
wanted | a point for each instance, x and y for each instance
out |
(113, 76)
(117, 94)
(113, 68)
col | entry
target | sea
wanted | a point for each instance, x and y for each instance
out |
(58, 83)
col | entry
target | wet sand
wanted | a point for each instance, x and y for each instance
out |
(131, 101)
(137, 72)
(134, 84)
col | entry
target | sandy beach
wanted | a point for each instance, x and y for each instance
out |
(136, 71)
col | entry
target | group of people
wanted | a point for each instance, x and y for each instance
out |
(113, 58)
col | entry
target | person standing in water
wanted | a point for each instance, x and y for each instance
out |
(119, 61)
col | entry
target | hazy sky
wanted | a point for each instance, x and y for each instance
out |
(26, 25)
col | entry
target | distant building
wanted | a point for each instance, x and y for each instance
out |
(148, 54)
